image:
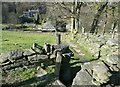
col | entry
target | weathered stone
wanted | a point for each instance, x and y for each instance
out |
(114, 68)
(28, 52)
(112, 42)
(56, 83)
(20, 69)
(104, 50)
(38, 49)
(16, 64)
(40, 72)
(101, 72)
(52, 56)
(63, 48)
(118, 65)
(47, 47)
(37, 57)
(101, 39)
(58, 63)
(88, 66)
(4, 57)
(16, 54)
(95, 52)
(113, 58)
(32, 58)
(82, 78)
(42, 57)
(114, 49)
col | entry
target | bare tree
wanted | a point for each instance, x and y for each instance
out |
(105, 20)
(97, 16)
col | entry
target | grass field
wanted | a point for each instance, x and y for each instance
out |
(12, 40)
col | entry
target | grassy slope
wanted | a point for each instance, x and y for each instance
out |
(21, 40)
(87, 55)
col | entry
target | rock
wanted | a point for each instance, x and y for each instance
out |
(47, 47)
(4, 57)
(118, 65)
(114, 49)
(52, 56)
(38, 49)
(42, 57)
(112, 42)
(40, 72)
(101, 72)
(63, 48)
(95, 52)
(58, 63)
(37, 57)
(88, 66)
(28, 52)
(20, 69)
(114, 68)
(16, 54)
(113, 58)
(101, 39)
(32, 58)
(104, 50)
(56, 83)
(82, 78)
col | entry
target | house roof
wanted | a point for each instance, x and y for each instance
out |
(48, 25)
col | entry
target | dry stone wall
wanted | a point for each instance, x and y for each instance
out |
(103, 47)
(105, 70)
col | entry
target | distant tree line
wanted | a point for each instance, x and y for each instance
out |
(93, 17)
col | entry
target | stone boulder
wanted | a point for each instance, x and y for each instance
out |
(88, 66)
(82, 78)
(57, 83)
(11, 56)
(104, 50)
(113, 58)
(16, 54)
(4, 57)
(28, 52)
(40, 72)
(101, 72)
(111, 42)
(63, 48)
(118, 65)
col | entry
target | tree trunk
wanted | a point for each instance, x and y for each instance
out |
(113, 28)
(73, 17)
(105, 20)
(114, 22)
(79, 5)
(96, 18)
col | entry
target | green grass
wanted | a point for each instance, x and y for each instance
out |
(3, 25)
(83, 50)
(23, 40)
(18, 75)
